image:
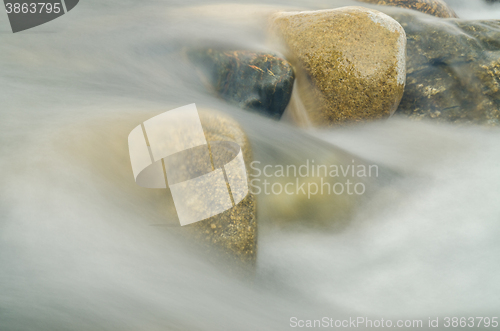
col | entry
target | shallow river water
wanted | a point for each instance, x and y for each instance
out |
(83, 248)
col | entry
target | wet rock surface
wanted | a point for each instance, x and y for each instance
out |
(453, 69)
(254, 80)
(231, 235)
(436, 8)
(349, 62)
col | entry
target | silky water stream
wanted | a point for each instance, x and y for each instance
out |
(82, 247)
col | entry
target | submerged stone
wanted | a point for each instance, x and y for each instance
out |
(232, 235)
(453, 69)
(350, 64)
(257, 81)
(436, 8)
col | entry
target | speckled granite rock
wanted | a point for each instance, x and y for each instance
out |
(232, 235)
(437, 8)
(350, 63)
(256, 81)
(453, 69)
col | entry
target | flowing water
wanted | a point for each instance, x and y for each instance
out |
(84, 248)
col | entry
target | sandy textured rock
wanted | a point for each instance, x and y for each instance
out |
(437, 8)
(232, 235)
(256, 81)
(350, 63)
(453, 70)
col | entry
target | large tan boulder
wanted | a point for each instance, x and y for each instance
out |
(350, 64)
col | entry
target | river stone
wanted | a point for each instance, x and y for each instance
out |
(453, 69)
(432, 7)
(256, 81)
(231, 235)
(349, 62)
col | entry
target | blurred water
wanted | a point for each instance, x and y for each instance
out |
(79, 249)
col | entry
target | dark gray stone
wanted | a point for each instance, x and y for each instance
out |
(453, 69)
(256, 81)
